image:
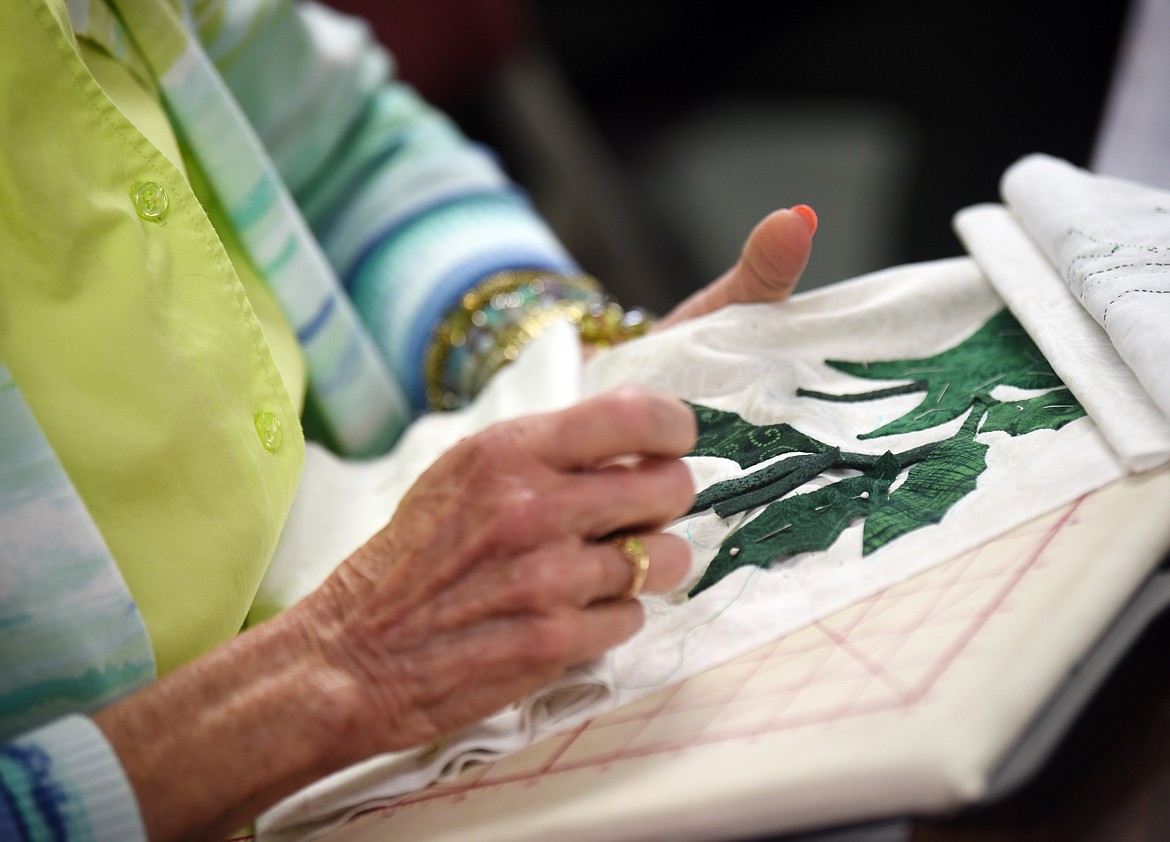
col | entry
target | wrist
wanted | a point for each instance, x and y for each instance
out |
(211, 745)
(507, 310)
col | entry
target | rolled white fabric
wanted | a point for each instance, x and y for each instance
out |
(1078, 348)
(1109, 239)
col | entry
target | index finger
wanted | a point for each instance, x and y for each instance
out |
(622, 423)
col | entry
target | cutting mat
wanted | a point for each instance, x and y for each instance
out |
(902, 703)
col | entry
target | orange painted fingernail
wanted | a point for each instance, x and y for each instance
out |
(808, 215)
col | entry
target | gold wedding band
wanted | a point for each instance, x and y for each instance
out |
(634, 551)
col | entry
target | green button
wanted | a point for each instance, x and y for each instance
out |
(270, 431)
(151, 201)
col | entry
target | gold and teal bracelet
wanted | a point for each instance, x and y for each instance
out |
(507, 310)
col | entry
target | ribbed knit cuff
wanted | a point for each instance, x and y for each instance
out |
(99, 805)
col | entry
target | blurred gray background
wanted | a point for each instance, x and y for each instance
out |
(653, 135)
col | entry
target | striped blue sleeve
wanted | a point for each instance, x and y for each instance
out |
(63, 782)
(409, 212)
(72, 640)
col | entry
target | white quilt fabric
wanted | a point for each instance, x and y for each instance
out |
(1083, 262)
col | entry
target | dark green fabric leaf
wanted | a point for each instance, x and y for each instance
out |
(1049, 411)
(730, 436)
(999, 353)
(773, 482)
(799, 470)
(947, 475)
(801, 523)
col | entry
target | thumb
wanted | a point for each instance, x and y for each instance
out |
(772, 261)
(773, 257)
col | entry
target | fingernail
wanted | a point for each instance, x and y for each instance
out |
(808, 215)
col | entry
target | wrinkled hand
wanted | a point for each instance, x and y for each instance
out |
(768, 269)
(495, 575)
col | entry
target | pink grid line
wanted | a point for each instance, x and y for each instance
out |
(841, 635)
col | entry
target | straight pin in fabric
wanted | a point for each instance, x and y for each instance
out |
(943, 392)
(995, 379)
(771, 534)
(924, 414)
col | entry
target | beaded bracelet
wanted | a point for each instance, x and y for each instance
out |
(498, 317)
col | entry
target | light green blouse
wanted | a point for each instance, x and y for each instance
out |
(137, 345)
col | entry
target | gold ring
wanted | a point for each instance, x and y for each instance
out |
(634, 551)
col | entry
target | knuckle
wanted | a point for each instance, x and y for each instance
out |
(634, 614)
(680, 484)
(552, 640)
(625, 620)
(511, 438)
(504, 445)
(673, 559)
(504, 486)
(514, 518)
(628, 406)
(666, 490)
(673, 546)
(533, 581)
(484, 448)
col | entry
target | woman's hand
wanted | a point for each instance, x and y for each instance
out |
(496, 575)
(771, 263)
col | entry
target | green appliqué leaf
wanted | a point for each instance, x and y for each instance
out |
(730, 436)
(999, 353)
(759, 487)
(1049, 411)
(802, 523)
(948, 474)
